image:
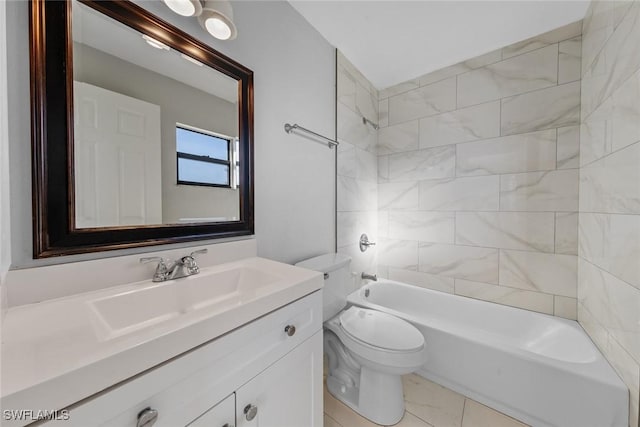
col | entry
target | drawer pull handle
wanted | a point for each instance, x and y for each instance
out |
(227, 425)
(290, 330)
(147, 417)
(250, 412)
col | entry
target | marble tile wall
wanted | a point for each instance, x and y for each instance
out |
(609, 208)
(478, 176)
(357, 166)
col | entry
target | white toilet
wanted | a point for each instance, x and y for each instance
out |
(368, 350)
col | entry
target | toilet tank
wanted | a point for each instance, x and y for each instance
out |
(336, 269)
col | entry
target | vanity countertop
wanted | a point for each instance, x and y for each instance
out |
(58, 352)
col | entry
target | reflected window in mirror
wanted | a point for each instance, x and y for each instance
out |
(204, 158)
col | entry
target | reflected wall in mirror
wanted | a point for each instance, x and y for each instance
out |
(155, 130)
(141, 134)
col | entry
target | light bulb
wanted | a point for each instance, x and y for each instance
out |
(218, 28)
(184, 7)
(217, 19)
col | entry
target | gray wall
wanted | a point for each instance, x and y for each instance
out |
(609, 236)
(294, 82)
(478, 178)
(5, 224)
(179, 103)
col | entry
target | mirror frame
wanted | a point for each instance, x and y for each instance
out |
(51, 62)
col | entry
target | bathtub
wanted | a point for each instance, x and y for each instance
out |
(539, 369)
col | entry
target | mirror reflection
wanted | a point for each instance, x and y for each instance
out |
(156, 131)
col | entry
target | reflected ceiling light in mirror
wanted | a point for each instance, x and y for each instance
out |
(185, 7)
(217, 19)
(190, 59)
(155, 43)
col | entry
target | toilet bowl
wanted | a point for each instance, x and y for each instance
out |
(368, 351)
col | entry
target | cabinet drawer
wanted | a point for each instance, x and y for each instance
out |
(221, 415)
(184, 388)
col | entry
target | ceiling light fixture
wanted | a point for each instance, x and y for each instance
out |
(185, 7)
(217, 19)
(155, 43)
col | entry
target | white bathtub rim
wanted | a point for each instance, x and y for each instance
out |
(599, 369)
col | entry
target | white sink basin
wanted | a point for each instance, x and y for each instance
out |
(152, 303)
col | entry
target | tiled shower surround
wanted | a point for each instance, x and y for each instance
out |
(478, 176)
(486, 168)
(609, 232)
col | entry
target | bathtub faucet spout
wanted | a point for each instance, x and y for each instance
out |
(367, 276)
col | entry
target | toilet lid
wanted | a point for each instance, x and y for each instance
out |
(381, 330)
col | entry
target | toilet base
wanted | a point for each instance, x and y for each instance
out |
(378, 397)
(375, 395)
(381, 397)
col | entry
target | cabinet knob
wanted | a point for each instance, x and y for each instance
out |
(147, 417)
(250, 411)
(290, 330)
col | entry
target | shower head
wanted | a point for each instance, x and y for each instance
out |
(373, 125)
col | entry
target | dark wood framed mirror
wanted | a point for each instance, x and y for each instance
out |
(96, 189)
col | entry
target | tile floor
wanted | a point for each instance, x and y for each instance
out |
(427, 405)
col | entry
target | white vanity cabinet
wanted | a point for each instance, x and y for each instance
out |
(266, 366)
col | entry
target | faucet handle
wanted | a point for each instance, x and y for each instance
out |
(157, 259)
(162, 269)
(189, 261)
(198, 252)
(365, 243)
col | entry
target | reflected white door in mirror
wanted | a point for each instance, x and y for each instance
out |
(117, 159)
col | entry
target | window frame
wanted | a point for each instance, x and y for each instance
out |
(206, 159)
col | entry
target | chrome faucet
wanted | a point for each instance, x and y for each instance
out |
(367, 276)
(169, 270)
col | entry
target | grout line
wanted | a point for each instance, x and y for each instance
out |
(558, 144)
(455, 161)
(555, 232)
(464, 407)
(608, 272)
(500, 119)
(608, 154)
(457, 107)
(499, 269)
(558, 66)
(455, 228)
(500, 135)
(333, 419)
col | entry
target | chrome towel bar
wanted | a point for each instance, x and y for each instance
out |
(290, 128)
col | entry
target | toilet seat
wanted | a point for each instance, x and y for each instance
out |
(382, 359)
(381, 330)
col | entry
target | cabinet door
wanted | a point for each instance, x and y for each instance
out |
(221, 415)
(288, 393)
